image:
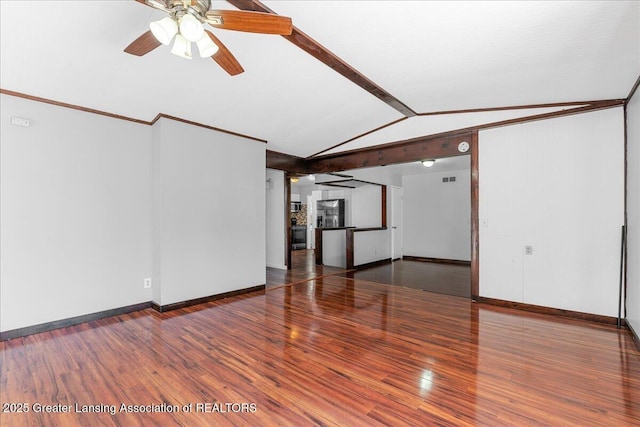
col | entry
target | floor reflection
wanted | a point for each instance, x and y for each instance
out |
(457, 362)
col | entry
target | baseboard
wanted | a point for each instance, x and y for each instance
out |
(372, 264)
(548, 310)
(277, 266)
(437, 260)
(49, 326)
(210, 298)
(636, 337)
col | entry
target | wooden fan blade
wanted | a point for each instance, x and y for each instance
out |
(143, 44)
(224, 57)
(251, 22)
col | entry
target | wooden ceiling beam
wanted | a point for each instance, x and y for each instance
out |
(414, 149)
(321, 53)
(286, 162)
(410, 150)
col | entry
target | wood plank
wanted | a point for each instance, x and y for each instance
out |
(414, 149)
(330, 351)
(475, 217)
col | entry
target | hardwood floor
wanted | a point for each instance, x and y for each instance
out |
(447, 279)
(428, 276)
(333, 351)
(303, 267)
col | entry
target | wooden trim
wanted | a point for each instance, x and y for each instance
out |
(475, 217)
(192, 123)
(510, 107)
(429, 146)
(346, 182)
(549, 311)
(72, 106)
(356, 230)
(358, 136)
(287, 220)
(599, 105)
(318, 245)
(636, 337)
(383, 197)
(315, 49)
(321, 53)
(373, 264)
(436, 260)
(350, 248)
(350, 242)
(196, 301)
(120, 117)
(580, 104)
(633, 91)
(285, 162)
(413, 149)
(64, 323)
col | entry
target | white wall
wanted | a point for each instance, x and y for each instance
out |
(437, 215)
(371, 246)
(210, 209)
(275, 220)
(633, 213)
(334, 248)
(75, 232)
(551, 184)
(366, 203)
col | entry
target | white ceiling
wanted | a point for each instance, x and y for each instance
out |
(432, 56)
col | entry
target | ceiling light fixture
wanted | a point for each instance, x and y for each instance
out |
(164, 29)
(294, 179)
(206, 46)
(181, 47)
(428, 163)
(191, 28)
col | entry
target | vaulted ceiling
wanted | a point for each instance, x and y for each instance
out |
(353, 74)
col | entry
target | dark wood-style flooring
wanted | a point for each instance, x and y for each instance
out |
(331, 351)
(442, 278)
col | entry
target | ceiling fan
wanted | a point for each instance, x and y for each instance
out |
(184, 26)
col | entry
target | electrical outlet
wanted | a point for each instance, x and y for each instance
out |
(528, 250)
(147, 283)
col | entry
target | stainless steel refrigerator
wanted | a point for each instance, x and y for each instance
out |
(330, 213)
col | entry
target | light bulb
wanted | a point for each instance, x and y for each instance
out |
(191, 28)
(164, 29)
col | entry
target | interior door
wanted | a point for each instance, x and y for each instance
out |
(396, 222)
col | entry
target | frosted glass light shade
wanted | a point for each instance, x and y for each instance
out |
(206, 46)
(428, 163)
(164, 29)
(191, 28)
(181, 47)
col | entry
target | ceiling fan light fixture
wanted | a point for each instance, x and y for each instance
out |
(206, 46)
(191, 28)
(164, 29)
(181, 47)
